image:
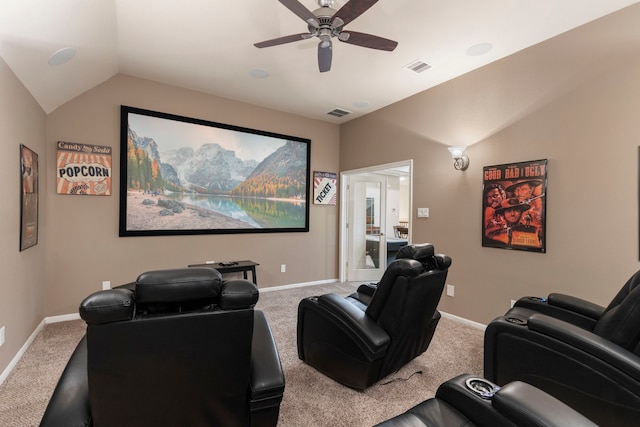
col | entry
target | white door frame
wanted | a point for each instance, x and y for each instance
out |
(344, 206)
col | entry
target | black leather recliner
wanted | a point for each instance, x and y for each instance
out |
(470, 401)
(362, 338)
(182, 348)
(584, 354)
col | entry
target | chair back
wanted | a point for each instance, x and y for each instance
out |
(620, 322)
(406, 300)
(174, 351)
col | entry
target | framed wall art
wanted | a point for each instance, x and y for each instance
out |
(325, 188)
(514, 206)
(83, 169)
(28, 198)
(181, 175)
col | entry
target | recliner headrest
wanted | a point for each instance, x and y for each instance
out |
(401, 269)
(620, 320)
(178, 285)
(420, 252)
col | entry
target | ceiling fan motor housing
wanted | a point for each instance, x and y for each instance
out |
(326, 23)
(325, 20)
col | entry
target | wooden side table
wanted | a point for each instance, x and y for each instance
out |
(243, 266)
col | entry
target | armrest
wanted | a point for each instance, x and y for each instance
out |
(577, 305)
(367, 289)
(588, 342)
(516, 403)
(564, 308)
(238, 294)
(368, 333)
(69, 404)
(528, 406)
(267, 377)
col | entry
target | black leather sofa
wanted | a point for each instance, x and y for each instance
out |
(468, 401)
(180, 347)
(586, 355)
(362, 338)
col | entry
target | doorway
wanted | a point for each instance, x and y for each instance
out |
(375, 218)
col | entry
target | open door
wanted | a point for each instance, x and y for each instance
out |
(366, 228)
(375, 216)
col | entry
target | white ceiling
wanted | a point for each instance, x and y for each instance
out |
(207, 45)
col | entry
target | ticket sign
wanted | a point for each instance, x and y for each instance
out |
(83, 169)
(324, 188)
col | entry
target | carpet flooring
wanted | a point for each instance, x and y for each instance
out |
(310, 398)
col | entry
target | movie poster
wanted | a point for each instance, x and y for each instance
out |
(83, 169)
(514, 206)
(28, 198)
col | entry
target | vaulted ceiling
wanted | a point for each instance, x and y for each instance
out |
(208, 46)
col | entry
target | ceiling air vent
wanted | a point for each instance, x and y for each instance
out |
(338, 112)
(418, 66)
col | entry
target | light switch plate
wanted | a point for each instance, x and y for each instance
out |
(451, 291)
(423, 212)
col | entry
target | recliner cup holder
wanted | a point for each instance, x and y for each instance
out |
(481, 387)
(516, 321)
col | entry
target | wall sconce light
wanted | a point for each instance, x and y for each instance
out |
(460, 160)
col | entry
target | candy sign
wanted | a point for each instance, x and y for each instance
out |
(83, 169)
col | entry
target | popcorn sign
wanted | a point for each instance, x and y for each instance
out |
(83, 169)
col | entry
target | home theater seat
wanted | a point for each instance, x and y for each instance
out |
(364, 337)
(182, 348)
(470, 401)
(585, 355)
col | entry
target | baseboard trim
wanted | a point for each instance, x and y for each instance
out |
(298, 285)
(61, 318)
(21, 352)
(34, 334)
(467, 322)
(76, 316)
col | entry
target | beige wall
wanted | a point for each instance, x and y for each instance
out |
(83, 244)
(23, 282)
(573, 100)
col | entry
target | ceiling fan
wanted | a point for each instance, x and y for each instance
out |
(326, 23)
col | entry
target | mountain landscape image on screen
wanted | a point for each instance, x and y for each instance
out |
(209, 187)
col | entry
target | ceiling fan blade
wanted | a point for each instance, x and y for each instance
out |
(352, 9)
(283, 40)
(367, 40)
(325, 54)
(296, 7)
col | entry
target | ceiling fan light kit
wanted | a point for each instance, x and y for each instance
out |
(326, 23)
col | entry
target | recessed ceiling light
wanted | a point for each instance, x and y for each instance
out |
(259, 73)
(62, 56)
(361, 104)
(479, 49)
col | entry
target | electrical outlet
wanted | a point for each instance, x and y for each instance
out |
(106, 285)
(209, 262)
(450, 290)
(513, 302)
(283, 268)
(1, 336)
